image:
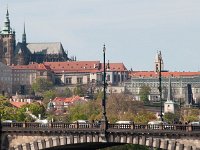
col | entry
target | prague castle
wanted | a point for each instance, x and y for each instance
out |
(22, 53)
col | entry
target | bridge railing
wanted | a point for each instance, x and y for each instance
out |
(175, 127)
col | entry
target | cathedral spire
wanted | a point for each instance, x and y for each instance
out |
(169, 97)
(24, 35)
(6, 28)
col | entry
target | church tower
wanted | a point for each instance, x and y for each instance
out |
(7, 42)
(24, 36)
(157, 62)
(21, 53)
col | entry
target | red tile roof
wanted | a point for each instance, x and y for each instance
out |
(164, 74)
(114, 67)
(72, 66)
(34, 66)
(18, 104)
(67, 100)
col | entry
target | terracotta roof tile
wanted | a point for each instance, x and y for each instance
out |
(164, 74)
(18, 104)
(34, 66)
(74, 66)
(114, 67)
(67, 100)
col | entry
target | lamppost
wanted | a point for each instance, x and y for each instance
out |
(160, 85)
(104, 118)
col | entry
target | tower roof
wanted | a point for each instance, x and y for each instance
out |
(6, 28)
(24, 35)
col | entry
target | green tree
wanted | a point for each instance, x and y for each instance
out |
(191, 114)
(64, 93)
(41, 85)
(170, 117)
(35, 108)
(77, 112)
(47, 95)
(99, 95)
(144, 93)
(78, 90)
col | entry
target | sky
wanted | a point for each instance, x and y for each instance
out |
(132, 30)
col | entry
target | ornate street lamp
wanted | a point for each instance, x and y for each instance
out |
(160, 85)
(104, 118)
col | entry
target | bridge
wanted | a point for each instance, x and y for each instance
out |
(35, 136)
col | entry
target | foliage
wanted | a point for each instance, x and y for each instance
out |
(77, 112)
(191, 115)
(2, 97)
(86, 111)
(98, 95)
(78, 90)
(143, 117)
(41, 85)
(122, 107)
(64, 93)
(47, 95)
(144, 93)
(170, 117)
(118, 107)
(35, 108)
(6, 111)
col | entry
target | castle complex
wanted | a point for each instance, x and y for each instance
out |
(23, 53)
(22, 63)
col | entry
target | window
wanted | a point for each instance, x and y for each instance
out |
(5, 49)
(108, 77)
(80, 80)
(88, 79)
(68, 81)
(118, 77)
(115, 78)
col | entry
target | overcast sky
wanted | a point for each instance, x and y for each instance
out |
(133, 30)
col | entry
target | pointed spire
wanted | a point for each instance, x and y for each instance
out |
(169, 97)
(7, 13)
(24, 35)
(6, 28)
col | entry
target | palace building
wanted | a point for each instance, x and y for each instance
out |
(22, 53)
(185, 85)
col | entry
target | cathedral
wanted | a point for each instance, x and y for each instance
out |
(23, 53)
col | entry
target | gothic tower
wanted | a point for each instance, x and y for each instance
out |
(157, 63)
(21, 53)
(7, 42)
(24, 36)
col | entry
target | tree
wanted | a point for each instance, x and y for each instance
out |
(191, 114)
(144, 93)
(41, 85)
(47, 95)
(77, 112)
(78, 90)
(64, 93)
(170, 117)
(36, 108)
